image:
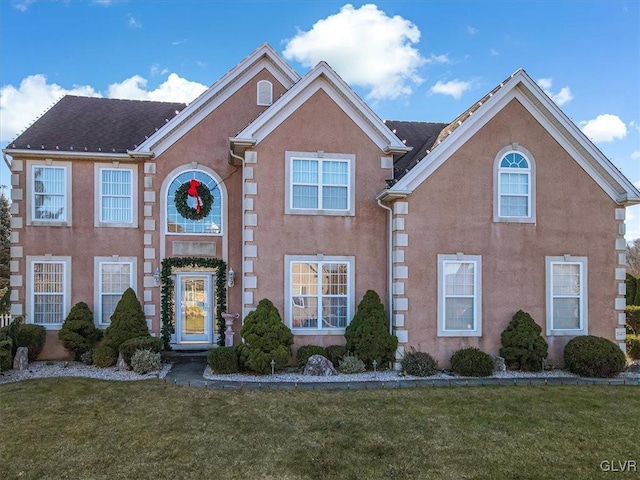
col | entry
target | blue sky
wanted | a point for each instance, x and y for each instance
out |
(411, 60)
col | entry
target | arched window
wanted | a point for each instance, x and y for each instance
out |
(514, 186)
(211, 224)
(265, 92)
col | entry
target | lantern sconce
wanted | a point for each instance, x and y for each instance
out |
(231, 278)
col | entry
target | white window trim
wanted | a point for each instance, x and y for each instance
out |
(165, 200)
(97, 170)
(351, 199)
(97, 282)
(288, 311)
(30, 207)
(270, 101)
(66, 261)
(514, 148)
(477, 304)
(584, 314)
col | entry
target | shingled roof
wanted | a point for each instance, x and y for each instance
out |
(419, 135)
(92, 124)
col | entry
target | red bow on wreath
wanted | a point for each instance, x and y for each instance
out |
(193, 192)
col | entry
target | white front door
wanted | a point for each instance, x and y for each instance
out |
(194, 308)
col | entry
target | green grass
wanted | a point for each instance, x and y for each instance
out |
(86, 429)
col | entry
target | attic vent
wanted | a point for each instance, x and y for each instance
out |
(265, 93)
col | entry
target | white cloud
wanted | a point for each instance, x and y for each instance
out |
(562, 97)
(433, 58)
(133, 22)
(604, 128)
(635, 156)
(635, 125)
(632, 221)
(455, 88)
(22, 5)
(472, 30)
(20, 106)
(494, 52)
(366, 47)
(179, 42)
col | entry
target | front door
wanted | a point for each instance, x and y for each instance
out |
(194, 308)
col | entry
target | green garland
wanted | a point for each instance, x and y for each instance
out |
(168, 304)
(188, 212)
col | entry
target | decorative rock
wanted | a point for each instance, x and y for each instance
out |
(319, 366)
(633, 368)
(121, 363)
(21, 360)
(498, 364)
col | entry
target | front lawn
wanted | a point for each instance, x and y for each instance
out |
(85, 429)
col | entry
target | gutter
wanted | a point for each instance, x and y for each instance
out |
(76, 154)
(6, 161)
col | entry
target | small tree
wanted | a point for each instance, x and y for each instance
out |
(632, 286)
(368, 334)
(78, 333)
(266, 338)
(523, 348)
(5, 253)
(127, 321)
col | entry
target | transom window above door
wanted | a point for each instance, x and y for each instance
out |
(177, 223)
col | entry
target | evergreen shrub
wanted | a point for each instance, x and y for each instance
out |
(523, 346)
(6, 357)
(420, 364)
(78, 333)
(266, 338)
(127, 321)
(351, 364)
(223, 360)
(104, 356)
(591, 356)
(632, 313)
(633, 347)
(632, 288)
(145, 361)
(87, 357)
(472, 362)
(129, 347)
(305, 351)
(335, 353)
(368, 334)
(32, 337)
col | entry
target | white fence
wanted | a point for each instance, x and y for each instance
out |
(5, 320)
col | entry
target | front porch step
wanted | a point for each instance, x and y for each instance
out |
(184, 356)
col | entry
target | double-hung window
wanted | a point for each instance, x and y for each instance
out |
(320, 184)
(116, 196)
(49, 196)
(566, 295)
(113, 277)
(320, 293)
(48, 290)
(459, 295)
(514, 189)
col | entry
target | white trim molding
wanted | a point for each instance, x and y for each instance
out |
(65, 262)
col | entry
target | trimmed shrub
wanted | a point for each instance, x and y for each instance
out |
(104, 356)
(632, 313)
(305, 351)
(129, 347)
(523, 346)
(472, 362)
(223, 360)
(633, 347)
(590, 356)
(368, 334)
(632, 287)
(420, 364)
(335, 353)
(87, 357)
(32, 337)
(351, 364)
(266, 338)
(145, 361)
(10, 332)
(6, 357)
(127, 321)
(78, 333)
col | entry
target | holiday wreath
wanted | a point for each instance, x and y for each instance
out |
(202, 196)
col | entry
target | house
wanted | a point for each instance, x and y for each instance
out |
(272, 185)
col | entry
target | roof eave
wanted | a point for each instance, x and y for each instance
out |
(66, 154)
(389, 195)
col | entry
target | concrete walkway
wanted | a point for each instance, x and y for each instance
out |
(190, 374)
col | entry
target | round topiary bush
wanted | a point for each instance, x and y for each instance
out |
(127, 321)
(590, 356)
(633, 347)
(78, 333)
(335, 353)
(472, 362)
(420, 364)
(104, 356)
(368, 334)
(305, 351)
(351, 364)
(129, 347)
(523, 347)
(223, 360)
(145, 361)
(32, 337)
(266, 338)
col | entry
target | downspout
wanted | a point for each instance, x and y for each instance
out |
(4, 156)
(389, 262)
(242, 253)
